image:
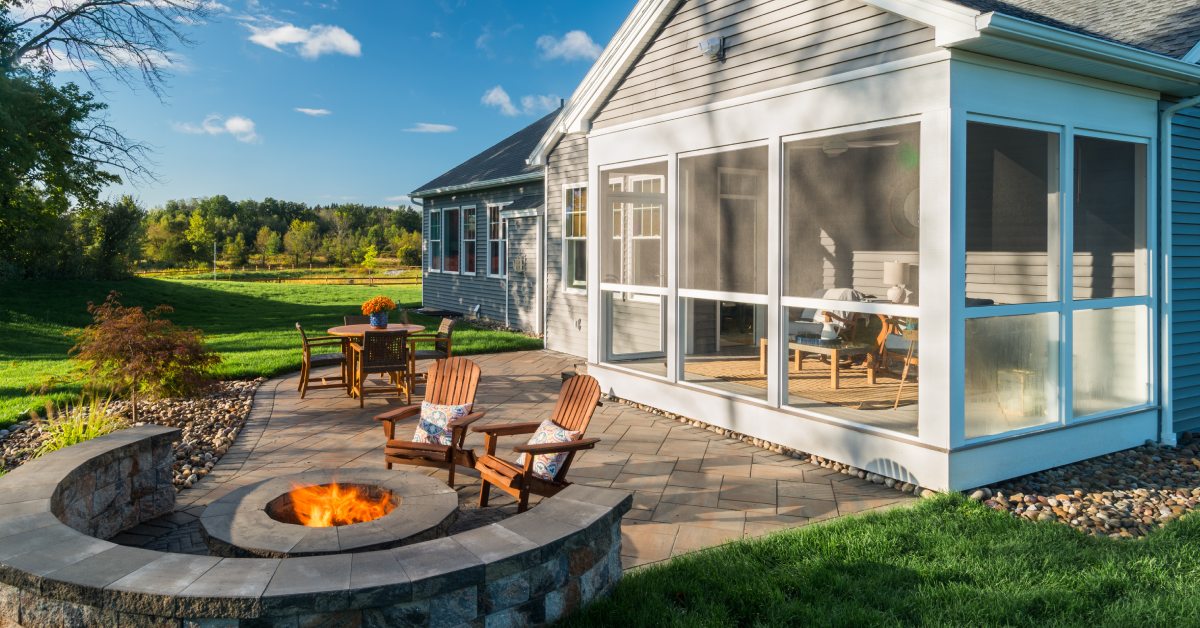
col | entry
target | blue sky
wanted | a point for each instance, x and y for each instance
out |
(396, 91)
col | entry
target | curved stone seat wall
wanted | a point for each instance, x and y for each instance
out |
(531, 568)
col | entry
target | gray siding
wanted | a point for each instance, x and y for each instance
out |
(523, 273)
(1185, 273)
(458, 292)
(566, 312)
(768, 44)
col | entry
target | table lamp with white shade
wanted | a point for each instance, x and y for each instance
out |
(895, 274)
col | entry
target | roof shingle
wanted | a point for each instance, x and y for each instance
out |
(1165, 27)
(504, 160)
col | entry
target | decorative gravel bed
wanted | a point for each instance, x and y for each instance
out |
(1122, 495)
(210, 423)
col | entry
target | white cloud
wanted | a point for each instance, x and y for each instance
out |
(313, 112)
(436, 35)
(240, 127)
(497, 97)
(118, 57)
(311, 42)
(574, 46)
(539, 103)
(430, 127)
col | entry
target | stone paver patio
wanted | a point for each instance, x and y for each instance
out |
(692, 488)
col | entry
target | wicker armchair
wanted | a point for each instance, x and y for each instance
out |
(310, 360)
(381, 352)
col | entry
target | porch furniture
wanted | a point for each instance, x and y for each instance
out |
(834, 349)
(320, 360)
(356, 330)
(577, 401)
(356, 319)
(381, 352)
(910, 359)
(440, 343)
(452, 381)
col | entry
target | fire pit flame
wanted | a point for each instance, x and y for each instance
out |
(329, 505)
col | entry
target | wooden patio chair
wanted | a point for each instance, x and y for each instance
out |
(381, 352)
(441, 341)
(310, 360)
(452, 381)
(577, 401)
(356, 319)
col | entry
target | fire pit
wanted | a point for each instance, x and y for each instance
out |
(326, 512)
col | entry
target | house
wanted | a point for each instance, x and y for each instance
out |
(948, 242)
(482, 230)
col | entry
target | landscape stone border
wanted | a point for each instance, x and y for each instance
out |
(238, 524)
(531, 568)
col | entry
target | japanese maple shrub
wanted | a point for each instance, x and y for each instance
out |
(128, 350)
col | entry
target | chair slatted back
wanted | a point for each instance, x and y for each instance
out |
(445, 332)
(452, 381)
(303, 337)
(356, 319)
(577, 401)
(385, 351)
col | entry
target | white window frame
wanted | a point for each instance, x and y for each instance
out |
(457, 235)
(498, 207)
(639, 291)
(462, 240)
(567, 190)
(435, 213)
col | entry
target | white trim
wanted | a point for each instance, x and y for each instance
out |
(487, 268)
(632, 289)
(441, 240)
(858, 307)
(951, 22)
(530, 212)
(462, 240)
(718, 295)
(575, 185)
(1193, 55)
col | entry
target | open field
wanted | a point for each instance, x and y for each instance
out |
(944, 562)
(250, 324)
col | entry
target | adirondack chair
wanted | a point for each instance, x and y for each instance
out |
(577, 401)
(452, 381)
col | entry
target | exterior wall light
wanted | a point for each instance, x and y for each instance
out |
(713, 48)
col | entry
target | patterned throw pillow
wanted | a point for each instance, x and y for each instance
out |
(434, 418)
(546, 466)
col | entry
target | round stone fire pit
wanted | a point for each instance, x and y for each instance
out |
(264, 519)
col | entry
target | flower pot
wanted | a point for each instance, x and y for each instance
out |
(379, 320)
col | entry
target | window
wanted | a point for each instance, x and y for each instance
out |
(633, 203)
(453, 243)
(636, 335)
(1012, 215)
(435, 240)
(496, 242)
(723, 221)
(575, 236)
(1110, 219)
(468, 239)
(1011, 374)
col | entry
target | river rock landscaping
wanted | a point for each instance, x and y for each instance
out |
(1122, 495)
(210, 423)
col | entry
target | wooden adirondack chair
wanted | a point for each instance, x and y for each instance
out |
(577, 401)
(452, 381)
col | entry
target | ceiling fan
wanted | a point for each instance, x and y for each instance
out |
(837, 146)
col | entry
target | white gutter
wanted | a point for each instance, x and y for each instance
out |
(476, 185)
(1166, 418)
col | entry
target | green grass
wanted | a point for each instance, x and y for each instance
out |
(945, 562)
(251, 325)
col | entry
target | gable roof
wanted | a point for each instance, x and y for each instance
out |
(1166, 27)
(1159, 55)
(502, 163)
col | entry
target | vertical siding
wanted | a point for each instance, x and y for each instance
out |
(768, 44)
(458, 292)
(1185, 270)
(566, 312)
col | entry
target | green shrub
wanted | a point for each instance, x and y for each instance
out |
(76, 424)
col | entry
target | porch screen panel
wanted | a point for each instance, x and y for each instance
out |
(722, 342)
(852, 211)
(632, 215)
(636, 335)
(723, 211)
(1111, 258)
(1011, 373)
(451, 228)
(1012, 215)
(1110, 359)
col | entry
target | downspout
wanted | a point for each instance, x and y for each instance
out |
(1166, 423)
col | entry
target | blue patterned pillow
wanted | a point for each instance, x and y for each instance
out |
(434, 418)
(546, 466)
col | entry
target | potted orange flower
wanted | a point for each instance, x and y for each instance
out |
(378, 308)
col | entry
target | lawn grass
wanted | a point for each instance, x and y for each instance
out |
(251, 325)
(945, 562)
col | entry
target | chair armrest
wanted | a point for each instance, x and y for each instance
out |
(467, 420)
(555, 448)
(325, 340)
(507, 429)
(399, 414)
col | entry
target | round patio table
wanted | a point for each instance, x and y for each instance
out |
(356, 331)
